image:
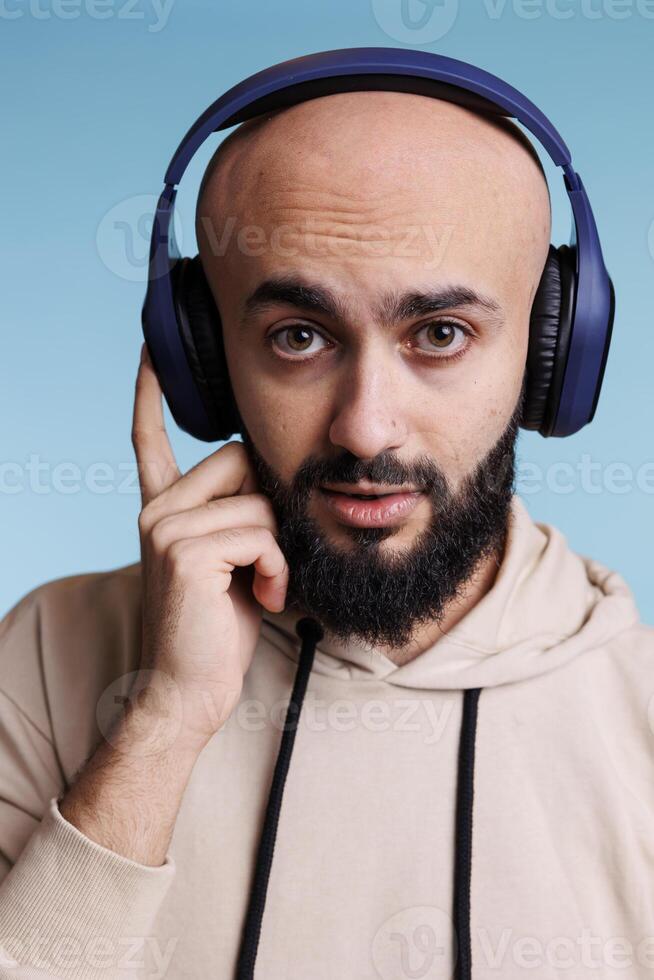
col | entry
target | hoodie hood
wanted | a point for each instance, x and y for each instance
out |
(547, 605)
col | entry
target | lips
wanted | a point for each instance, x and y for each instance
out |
(360, 496)
(381, 511)
(366, 489)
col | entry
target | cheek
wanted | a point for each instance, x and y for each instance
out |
(282, 413)
(285, 426)
(460, 427)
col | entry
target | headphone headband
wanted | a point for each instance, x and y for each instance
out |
(313, 75)
(398, 69)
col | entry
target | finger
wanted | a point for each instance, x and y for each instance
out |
(251, 510)
(221, 552)
(155, 459)
(251, 482)
(222, 474)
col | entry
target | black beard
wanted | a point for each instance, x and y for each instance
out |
(381, 598)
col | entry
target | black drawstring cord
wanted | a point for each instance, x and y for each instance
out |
(463, 838)
(310, 632)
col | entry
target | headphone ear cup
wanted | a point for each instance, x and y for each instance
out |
(202, 336)
(550, 330)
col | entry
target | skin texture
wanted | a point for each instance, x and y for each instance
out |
(369, 194)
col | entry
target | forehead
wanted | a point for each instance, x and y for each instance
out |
(369, 256)
(418, 188)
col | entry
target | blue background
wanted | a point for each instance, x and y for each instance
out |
(92, 111)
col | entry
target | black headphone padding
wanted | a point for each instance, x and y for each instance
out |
(202, 336)
(549, 339)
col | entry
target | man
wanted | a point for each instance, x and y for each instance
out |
(448, 641)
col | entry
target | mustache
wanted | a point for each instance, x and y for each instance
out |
(387, 469)
(384, 470)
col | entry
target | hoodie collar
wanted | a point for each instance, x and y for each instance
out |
(547, 605)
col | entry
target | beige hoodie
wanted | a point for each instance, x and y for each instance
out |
(551, 845)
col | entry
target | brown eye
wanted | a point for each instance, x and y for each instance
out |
(444, 335)
(441, 334)
(295, 339)
(299, 337)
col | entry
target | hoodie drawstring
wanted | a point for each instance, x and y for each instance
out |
(310, 633)
(463, 833)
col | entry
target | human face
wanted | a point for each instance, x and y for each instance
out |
(375, 319)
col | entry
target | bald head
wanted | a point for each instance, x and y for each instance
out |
(430, 156)
(247, 130)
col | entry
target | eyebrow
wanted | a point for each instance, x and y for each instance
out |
(394, 306)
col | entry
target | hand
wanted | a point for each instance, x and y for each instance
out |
(199, 535)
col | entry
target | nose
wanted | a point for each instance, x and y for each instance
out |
(370, 414)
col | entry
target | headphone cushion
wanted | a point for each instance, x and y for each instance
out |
(201, 331)
(543, 341)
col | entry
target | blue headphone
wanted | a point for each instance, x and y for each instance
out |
(572, 313)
